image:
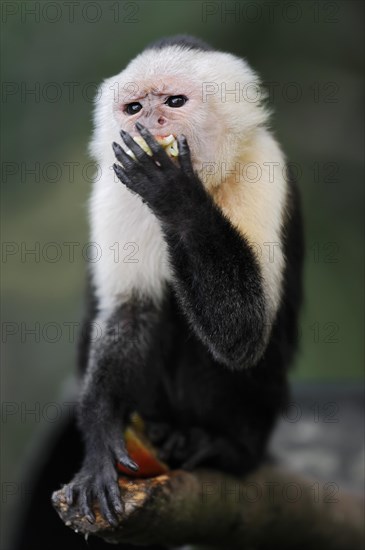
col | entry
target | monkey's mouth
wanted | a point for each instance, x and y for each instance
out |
(169, 144)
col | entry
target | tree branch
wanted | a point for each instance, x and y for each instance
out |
(269, 508)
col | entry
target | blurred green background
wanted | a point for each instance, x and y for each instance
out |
(310, 55)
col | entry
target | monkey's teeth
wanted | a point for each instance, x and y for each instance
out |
(165, 140)
(169, 143)
(173, 151)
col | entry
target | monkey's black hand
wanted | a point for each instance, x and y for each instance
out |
(184, 448)
(171, 190)
(191, 447)
(98, 480)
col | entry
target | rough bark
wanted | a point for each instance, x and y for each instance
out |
(268, 509)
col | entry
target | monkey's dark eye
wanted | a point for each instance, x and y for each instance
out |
(176, 100)
(133, 108)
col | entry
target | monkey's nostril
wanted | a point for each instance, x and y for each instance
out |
(161, 120)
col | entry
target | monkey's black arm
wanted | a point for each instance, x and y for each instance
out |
(218, 283)
(217, 277)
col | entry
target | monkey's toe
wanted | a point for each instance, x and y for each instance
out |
(91, 486)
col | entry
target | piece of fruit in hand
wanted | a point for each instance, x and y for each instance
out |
(141, 451)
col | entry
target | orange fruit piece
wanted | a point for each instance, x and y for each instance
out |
(141, 451)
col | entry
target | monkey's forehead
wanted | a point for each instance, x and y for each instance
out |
(156, 85)
(176, 66)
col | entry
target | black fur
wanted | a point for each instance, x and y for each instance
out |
(188, 42)
(39, 527)
(204, 369)
(198, 411)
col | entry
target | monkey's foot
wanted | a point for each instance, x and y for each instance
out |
(101, 485)
(186, 448)
(98, 481)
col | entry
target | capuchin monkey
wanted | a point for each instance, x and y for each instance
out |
(198, 288)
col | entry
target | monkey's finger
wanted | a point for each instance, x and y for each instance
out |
(184, 155)
(127, 462)
(120, 453)
(115, 500)
(131, 179)
(122, 175)
(105, 509)
(133, 184)
(69, 494)
(122, 156)
(85, 505)
(138, 152)
(159, 153)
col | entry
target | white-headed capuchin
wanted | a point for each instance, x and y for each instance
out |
(196, 294)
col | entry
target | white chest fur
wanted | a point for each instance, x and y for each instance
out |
(132, 251)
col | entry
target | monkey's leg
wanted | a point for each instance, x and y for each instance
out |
(116, 358)
(38, 526)
(195, 446)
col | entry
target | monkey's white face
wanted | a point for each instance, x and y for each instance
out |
(170, 105)
(165, 90)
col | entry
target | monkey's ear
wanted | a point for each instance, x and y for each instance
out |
(184, 156)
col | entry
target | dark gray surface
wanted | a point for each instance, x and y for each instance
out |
(321, 434)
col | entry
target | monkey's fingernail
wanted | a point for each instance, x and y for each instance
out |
(139, 126)
(115, 146)
(133, 466)
(117, 169)
(123, 133)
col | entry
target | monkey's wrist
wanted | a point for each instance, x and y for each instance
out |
(188, 217)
